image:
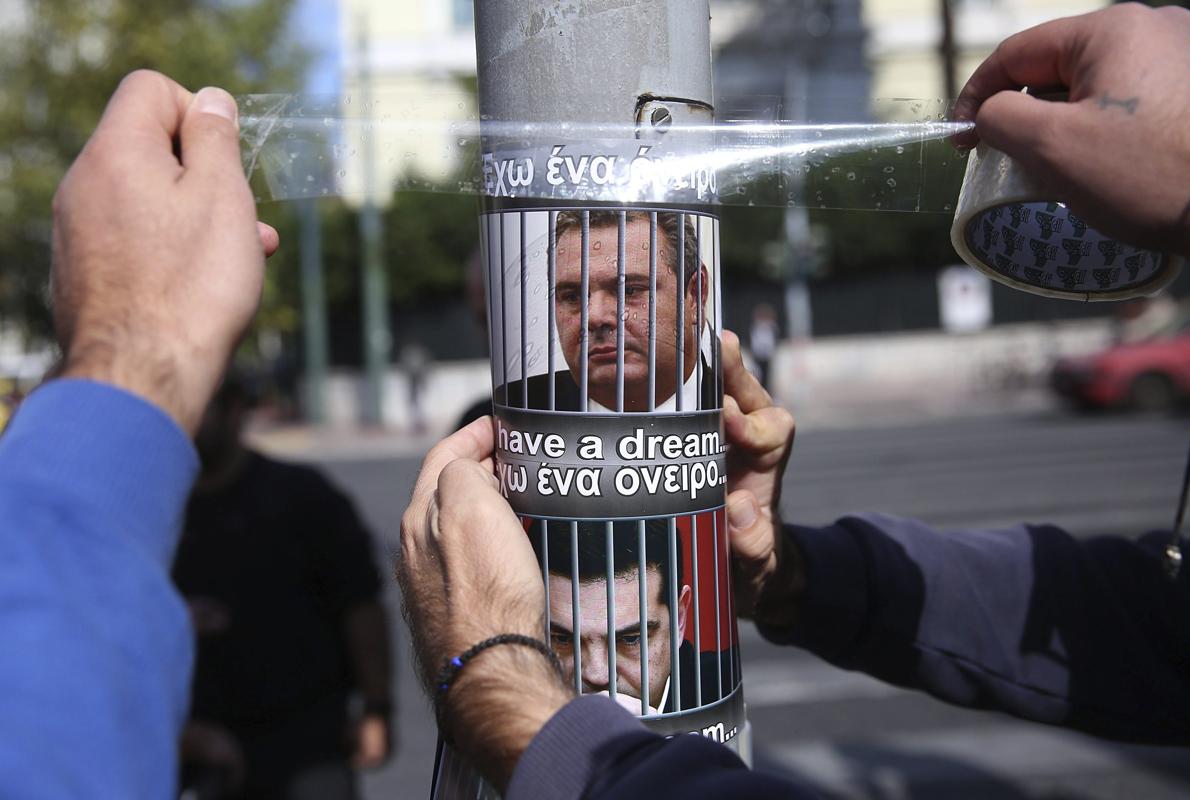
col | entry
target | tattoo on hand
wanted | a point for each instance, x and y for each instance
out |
(1128, 105)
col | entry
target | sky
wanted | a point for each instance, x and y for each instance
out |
(316, 23)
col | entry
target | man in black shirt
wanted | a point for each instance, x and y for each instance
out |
(285, 598)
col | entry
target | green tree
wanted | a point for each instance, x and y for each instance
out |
(62, 59)
(428, 238)
(876, 210)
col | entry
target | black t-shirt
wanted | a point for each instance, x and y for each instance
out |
(273, 561)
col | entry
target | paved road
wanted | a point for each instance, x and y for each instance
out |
(850, 735)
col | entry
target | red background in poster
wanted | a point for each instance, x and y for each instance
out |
(706, 574)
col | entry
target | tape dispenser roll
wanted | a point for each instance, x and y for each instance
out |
(1007, 228)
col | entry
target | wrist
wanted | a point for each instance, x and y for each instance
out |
(498, 704)
(780, 595)
(146, 367)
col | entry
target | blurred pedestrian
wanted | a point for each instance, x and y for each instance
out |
(285, 597)
(415, 361)
(762, 340)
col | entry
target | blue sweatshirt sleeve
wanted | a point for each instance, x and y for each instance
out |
(96, 656)
(1088, 634)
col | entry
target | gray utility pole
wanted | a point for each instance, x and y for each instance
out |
(314, 336)
(641, 70)
(377, 341)
(946, 49)
(597, 61)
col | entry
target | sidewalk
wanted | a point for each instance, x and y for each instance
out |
(303, 442)
(814, 407)
(840, 382)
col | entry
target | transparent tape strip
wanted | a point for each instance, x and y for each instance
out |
(301, 146)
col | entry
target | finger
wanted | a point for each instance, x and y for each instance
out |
(763, 430)
(738, 381)
(464, 485)
(1038, 57)
(475, 442)
(749, 533)
(469, 504)
(148, 108)
(210, 138)
(1037, 133)
(269, 238)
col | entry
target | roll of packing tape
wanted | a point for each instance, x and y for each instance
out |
(1007, 228)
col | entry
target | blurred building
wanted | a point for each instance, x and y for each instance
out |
(905, 36)
(836, 54)
(799, 60)
(421, 58)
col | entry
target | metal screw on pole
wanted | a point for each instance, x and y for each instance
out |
(661, 118)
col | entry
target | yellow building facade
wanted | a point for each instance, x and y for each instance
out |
(421, 57)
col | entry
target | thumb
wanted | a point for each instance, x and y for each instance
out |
(749, 532)
(210, 137)
(1034, 132)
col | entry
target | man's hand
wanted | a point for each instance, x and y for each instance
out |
(1117, 152)
(158, 258)
(467, 572)
(760, 440)
(372, 742)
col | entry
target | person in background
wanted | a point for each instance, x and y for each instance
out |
(416, 362)
(292, 681)
(762, 340)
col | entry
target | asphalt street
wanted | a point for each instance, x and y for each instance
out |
(845, 733)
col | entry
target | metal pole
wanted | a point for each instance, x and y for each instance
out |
(797, 219)
(946, 49)
(314, 336)
(641, 65)
(545, 61)
(376, 338)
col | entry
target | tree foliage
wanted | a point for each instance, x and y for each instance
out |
(62, 59)
(872, 211)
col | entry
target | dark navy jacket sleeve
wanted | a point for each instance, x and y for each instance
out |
(96, 648)
(596, 750)
(1088, 634)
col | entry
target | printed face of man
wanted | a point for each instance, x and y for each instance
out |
(602, 313)
(592, 640)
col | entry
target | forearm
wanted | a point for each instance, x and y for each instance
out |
(1027, 620)
(498, 703)
(366, 630)
(593, 748)
(97, 651)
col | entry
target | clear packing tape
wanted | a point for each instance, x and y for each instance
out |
(303, 146)
(899, 159)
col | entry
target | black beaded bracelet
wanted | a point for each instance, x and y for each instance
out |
(451, 669)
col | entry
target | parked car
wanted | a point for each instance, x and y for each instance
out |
(1151, 375)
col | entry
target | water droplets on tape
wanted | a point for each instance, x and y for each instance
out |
(301, 146)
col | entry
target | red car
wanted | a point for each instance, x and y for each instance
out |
(1149, 375)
